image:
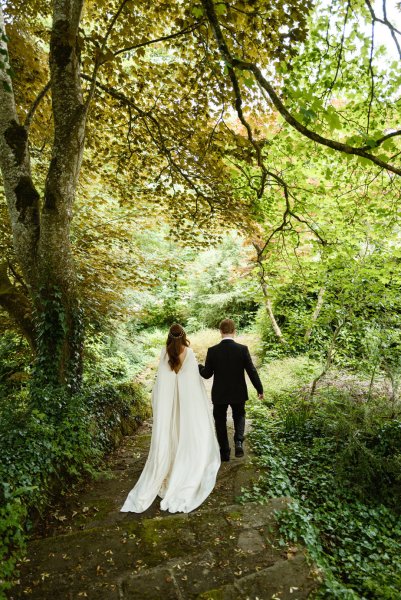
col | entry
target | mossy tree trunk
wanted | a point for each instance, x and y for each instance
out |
(41, 229)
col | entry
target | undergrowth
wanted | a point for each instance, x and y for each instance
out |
(43, 454)
(339, 460)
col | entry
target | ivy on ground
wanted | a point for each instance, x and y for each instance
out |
(352, 531)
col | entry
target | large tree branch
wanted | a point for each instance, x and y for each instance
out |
(69, 111)
(69, 116)
(64, 64)
(335, 145)
(236, 63)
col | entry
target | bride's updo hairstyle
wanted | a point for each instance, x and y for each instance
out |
(176, 339)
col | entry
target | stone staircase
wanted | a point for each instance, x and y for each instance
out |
(222, 551)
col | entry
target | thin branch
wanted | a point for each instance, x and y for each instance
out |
(232, 63)
(257, 146)
(238, 106)
(314, 231)
(160, 143)
(211, 136)
(372, 77)
(340, 54)
(98, 60)
(329, 358)
(35, 105)
(386, 22)
(164, 38)
(266, 294)
(393, 30)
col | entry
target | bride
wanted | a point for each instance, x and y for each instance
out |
(184, 455)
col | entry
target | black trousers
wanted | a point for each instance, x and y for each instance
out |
(220, 420)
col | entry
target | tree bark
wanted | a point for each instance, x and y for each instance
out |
(42, 238)
(316, 313)
(58, 304)
(21, 194)
(269, 309)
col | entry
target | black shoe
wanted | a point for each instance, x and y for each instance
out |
(239, 450)
(225, 455)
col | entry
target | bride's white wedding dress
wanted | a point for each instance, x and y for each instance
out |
(184, 455)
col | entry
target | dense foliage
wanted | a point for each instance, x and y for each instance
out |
(338, 458)
(45, 453)
(201, 287)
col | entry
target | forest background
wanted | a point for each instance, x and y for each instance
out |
(187, 162)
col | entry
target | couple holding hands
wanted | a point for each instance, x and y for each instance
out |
(186, 448)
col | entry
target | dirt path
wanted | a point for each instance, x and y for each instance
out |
(222, 551)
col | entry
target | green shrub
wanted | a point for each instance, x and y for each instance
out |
(121, 356)
(44, 453)
(15, 357)
(12, 535)
(115, 410)
(339, 460)
(287, 375)
(292, 311)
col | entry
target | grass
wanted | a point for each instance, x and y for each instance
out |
(287, 375)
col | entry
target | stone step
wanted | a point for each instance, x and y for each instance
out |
(191, 579)
(254, 513)
(289, 579)
(227, 543)
(99, 505)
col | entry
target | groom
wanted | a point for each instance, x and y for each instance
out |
(228, 361)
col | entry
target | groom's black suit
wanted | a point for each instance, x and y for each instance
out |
(228, 361)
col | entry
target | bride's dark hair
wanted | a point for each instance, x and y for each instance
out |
(176, 339)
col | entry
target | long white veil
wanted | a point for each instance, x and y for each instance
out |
(184, 455)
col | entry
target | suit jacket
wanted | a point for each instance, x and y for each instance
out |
(228, 362)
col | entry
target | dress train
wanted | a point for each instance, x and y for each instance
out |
(184, 455)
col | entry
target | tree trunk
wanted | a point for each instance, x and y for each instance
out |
(329, 359)
(269, 309)
(21, 195)
(266, 294)
(42, 239)
(316, 313)
(59, 321)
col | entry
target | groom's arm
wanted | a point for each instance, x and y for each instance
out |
(207, 370)
(252, 372)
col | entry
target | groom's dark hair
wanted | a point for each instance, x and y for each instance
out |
(227, 326)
